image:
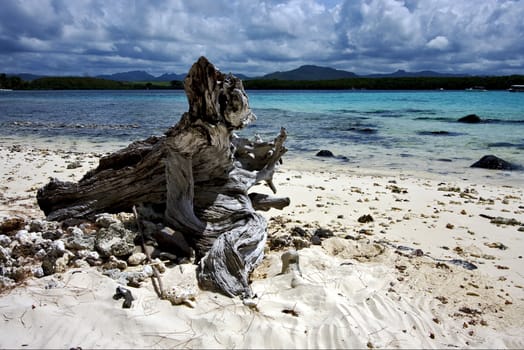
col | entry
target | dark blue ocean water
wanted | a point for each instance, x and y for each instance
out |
(415, 130)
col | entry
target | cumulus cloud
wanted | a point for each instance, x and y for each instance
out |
(252, 37)
(439, 43)
(407, 33)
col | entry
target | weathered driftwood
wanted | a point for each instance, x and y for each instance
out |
(127, 177)
(198, 175)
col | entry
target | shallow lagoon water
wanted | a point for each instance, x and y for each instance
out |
(383, 130)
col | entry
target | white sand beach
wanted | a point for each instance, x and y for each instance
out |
(395, 280)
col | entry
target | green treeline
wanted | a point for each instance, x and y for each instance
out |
(11, 82)
(413, 83)
(81, 83)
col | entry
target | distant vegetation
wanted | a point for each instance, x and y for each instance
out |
(77, 83)
(11, 82)
(414, 83)
(81, 83)
(358, 83)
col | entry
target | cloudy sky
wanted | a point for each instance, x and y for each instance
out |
(90, 37)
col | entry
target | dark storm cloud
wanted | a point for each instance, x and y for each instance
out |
(252, 37)
(41, 20)
(450, 35)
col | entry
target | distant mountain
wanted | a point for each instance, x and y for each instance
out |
(403, 74)
(306, 72)
(310, 72)
(139, 75)
(26, 76)
(135, 75)
(170, 77)
(242, 76)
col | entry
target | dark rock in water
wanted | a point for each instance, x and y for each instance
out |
(470, 119)
(506, 145)
(325, 153)
(493, 162)
(363, 130)
(439, 133)
(328, 154)
(501, 144)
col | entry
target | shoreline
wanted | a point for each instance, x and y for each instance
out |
(293, 160)
(366, 286)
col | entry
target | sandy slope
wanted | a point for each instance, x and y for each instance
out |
(360, 288)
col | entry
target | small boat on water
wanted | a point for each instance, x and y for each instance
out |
(5, 90)
(476, 88)
(516, 88)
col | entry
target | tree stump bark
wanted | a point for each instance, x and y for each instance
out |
(199, 173)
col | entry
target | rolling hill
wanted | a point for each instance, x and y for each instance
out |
(310, 72)
(421, 74)
(302, 73)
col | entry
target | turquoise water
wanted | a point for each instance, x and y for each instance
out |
(406, 130)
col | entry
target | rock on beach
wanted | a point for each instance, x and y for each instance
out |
(38, 248)
(493, 162)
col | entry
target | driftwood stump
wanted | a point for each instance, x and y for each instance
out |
(197, 177)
